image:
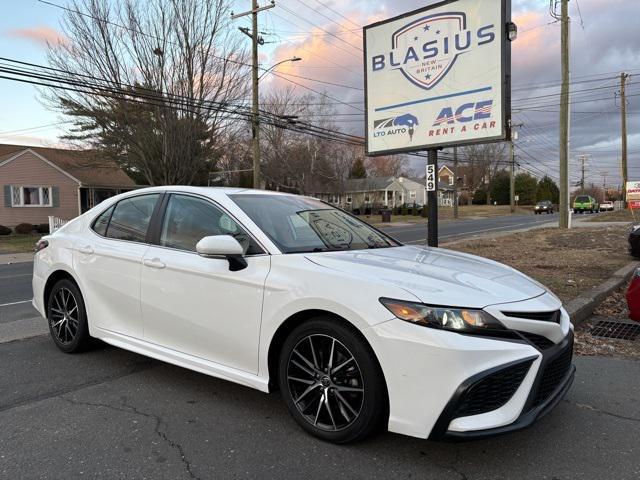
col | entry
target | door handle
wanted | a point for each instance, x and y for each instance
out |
(153, 263)
(87, 249)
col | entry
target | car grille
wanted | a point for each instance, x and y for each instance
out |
(540, 316)
(493, 391)
(554, 372)
(540, 341)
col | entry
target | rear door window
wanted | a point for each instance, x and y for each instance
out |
(131, 217)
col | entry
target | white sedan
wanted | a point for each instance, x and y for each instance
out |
(282, 292)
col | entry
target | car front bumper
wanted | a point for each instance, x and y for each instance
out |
(551, 383)
(429, 373)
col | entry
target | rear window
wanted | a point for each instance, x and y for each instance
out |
(582, 199)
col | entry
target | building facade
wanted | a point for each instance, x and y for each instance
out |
(39, 182)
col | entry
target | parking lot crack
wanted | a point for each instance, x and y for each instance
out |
(603, 412)
(159, 428)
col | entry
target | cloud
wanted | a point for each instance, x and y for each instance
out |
(41, 35)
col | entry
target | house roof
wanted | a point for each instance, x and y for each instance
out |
(86, 166)
(373, 184)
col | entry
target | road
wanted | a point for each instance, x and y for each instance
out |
(450, 230)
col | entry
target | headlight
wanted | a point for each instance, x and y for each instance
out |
(455, 319)
(634, 228)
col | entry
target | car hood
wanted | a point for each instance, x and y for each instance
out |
(436, 276)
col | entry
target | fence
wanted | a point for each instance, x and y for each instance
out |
(55, 223)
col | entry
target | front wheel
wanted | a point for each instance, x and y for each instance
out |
(67, 317)
(331, 381)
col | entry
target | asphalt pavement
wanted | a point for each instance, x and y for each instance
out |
(109, 414)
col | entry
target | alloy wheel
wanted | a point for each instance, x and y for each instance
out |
(325, 382)
(65, 318)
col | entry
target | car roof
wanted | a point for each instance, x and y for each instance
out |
(208, 191)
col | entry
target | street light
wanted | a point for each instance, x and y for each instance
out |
(293, 59)
(255, 124)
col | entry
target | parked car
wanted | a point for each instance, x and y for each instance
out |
(585, 203)
(633, 296)
(634, 241)
(606, 206)
(544, 206)
(280, 292)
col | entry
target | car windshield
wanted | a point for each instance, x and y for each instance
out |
(301, 224)
(582, 199)
(543, 203)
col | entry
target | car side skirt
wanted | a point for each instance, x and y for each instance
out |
(181, 359)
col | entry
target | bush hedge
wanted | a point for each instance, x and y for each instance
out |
(42, 228)
(24, 228)
(5, 230)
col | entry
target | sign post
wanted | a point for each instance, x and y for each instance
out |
(432, 198)
(438, 77)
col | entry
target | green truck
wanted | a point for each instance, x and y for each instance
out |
(585, 203)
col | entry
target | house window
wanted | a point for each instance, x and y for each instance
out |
(412, 194)
(349, 199)
(335, 199)
(28, 196)
(367, 198)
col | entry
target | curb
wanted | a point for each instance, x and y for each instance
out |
(581, 308)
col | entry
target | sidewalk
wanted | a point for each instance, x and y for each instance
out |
(9, 258)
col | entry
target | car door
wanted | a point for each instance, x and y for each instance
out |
(108, 260)
(197, 305)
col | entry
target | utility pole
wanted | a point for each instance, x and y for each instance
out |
(623, 113)
(255, 110)
(455, 182)
(583, 159)
(432, 201)
(564, 113)
(512, 170)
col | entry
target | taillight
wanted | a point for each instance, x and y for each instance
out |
(41, 245)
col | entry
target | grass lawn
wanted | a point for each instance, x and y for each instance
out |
(446, 213)
(568, 262)
(619, 216)
(18, 243)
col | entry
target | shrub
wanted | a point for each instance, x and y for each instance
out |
(24, 228)
(404, 210)
(42, 228)
(5, 230)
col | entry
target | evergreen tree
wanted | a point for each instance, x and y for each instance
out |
(358, 169)
(548, 190)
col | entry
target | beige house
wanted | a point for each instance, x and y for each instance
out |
(39, 182)
(364, 195)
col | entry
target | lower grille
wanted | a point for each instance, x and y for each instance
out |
(493, 391)
(554, 372)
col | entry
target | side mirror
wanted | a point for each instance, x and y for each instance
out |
(223, 246)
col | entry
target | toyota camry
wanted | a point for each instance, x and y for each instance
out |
(282, 292)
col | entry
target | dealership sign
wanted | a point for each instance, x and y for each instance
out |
(438, 76)
(633, 195)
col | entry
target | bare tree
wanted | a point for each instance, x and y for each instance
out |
(183, 72)
(386, 166)
(483, 162)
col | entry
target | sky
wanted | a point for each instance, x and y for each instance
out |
(327, 35)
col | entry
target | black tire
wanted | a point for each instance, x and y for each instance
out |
(67, 317)
(355, 414)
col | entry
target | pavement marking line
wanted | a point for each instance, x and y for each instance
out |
(16, 276)
(14, 303)
(482, 231)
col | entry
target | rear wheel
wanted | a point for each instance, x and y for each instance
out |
(67, 317)
(331, 381)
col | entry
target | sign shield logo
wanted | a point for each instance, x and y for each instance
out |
(432, 45)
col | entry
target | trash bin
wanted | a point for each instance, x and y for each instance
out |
(386, 216)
